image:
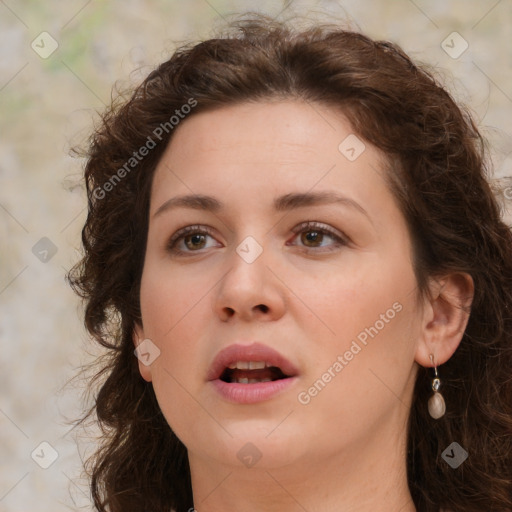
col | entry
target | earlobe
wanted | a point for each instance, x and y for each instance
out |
(138, 337)
(446, 314)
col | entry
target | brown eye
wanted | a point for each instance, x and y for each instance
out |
(195, 241)
(312, 237)
(189, 240)
(314, 234)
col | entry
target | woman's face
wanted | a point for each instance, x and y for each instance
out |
(331, 304)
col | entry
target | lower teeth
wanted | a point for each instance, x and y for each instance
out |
(244, 380)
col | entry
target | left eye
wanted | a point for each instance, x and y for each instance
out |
(315, 233)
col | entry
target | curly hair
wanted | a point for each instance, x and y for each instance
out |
(438, 173)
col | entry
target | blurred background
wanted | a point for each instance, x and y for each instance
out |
(58, 63)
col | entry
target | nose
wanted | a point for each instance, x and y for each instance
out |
(250, 290)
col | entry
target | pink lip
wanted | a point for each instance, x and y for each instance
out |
(251, 393)
(256, 392)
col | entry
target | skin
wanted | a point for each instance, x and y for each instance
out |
(349, 441)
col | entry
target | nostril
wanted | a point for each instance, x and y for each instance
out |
(263, 307)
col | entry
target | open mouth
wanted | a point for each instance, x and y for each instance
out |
(251, 372)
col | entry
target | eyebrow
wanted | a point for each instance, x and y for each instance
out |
(282, 203)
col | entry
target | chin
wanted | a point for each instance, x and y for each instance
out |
(254, 444)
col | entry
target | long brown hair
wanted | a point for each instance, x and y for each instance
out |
(437, 171)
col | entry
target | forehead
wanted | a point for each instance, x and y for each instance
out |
(267, 145)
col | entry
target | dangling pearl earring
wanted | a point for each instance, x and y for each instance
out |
(436, 404)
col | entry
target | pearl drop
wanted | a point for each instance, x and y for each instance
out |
(436, 406)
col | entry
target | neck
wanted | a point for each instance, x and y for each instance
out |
(366, 476)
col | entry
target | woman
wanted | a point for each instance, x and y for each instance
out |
(293, 233)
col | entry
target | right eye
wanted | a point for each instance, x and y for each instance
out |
(189, 239)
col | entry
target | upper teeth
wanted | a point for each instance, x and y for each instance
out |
(248, 365)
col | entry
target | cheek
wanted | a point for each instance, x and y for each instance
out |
(170, 315)
(169, 299)
(362, 371)
(171, 306)
(368, 314)
(343, 302)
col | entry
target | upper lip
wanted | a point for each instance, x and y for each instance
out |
(253, 352)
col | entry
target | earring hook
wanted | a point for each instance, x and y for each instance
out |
(435, 366)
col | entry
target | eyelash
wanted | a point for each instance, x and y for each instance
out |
(340, 238)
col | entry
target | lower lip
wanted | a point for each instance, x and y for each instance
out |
(252, 393)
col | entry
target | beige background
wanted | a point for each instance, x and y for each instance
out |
(46, 107)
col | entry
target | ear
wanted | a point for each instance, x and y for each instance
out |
(138, 337)
(445, 317)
